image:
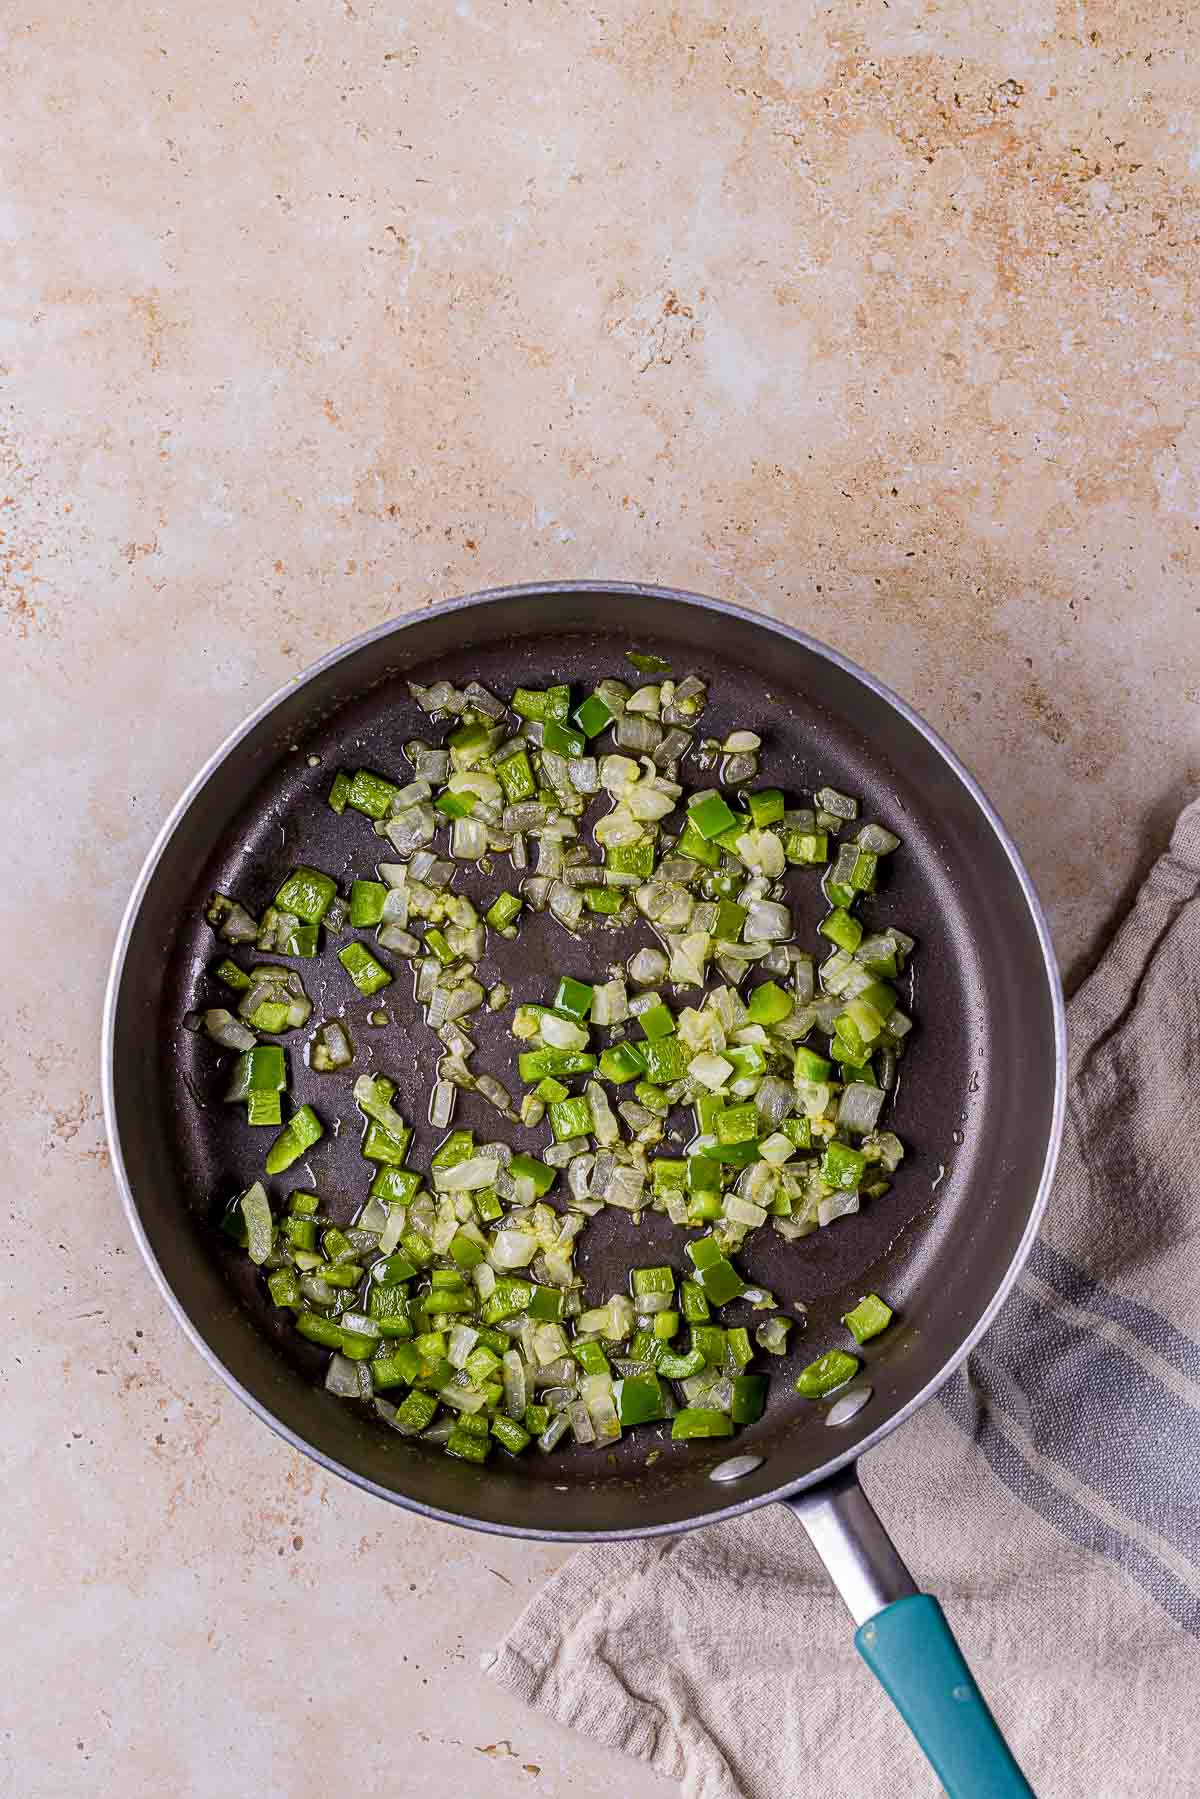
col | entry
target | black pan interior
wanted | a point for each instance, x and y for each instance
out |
(974, 1105)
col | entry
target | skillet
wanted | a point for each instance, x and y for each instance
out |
(979, 1105)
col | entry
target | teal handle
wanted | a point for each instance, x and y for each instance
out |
(910, 1649)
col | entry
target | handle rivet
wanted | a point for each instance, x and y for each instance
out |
(735, 1467)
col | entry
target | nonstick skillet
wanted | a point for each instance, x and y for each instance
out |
(979, 1106)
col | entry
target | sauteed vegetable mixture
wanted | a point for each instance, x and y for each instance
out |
(453, 1305)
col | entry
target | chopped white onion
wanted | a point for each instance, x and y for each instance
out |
(468, 839)
(767, 922)
(860, 1107)
(470, 1176)
(837, 1205)
(562, 1033)
(646, 967)
(227, 1031)
(341, 1377)
(441, 1104)
(512, 1249)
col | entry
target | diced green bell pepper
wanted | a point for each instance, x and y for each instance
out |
(668, 1174)
(623, 1062)
(841, 927)
(592, 715)
(749, 1398)
(307, 893)
(504, 911)
(396, 1185)
(711, 816)
(591, 1358)
(455, 805)
(737, 1124)
(809, 1066)
(284, 1287)
(766, 806)
(692, 1302)
(657, 1020)
(510, 1435)
(639, 1399)
(693, 844)
(574, 997)
(263, 1108)
(371, 794)
(466, 1446)
(769, 1004)
(842, 1167)
(709, 1339)
(570, 1118)
(534, 1064)
(652, 1280)
(339, 792)
(529, 1168)
(542, 703)
(302, 1130)
(562, 740)
(806, 847)
(717, 1276)
(508, 1297)
(228, 971)
(870, 1316)
(829, 1371)
(666, 1059)
(631, 858)
(546, 1306)
(700, 1421)
(367, 974)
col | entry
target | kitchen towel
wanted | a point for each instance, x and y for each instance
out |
(1050, 1494)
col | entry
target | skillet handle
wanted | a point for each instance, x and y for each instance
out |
(906, 1642)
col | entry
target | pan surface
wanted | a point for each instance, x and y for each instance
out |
(978, 1106)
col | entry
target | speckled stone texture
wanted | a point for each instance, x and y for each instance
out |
(879, 317)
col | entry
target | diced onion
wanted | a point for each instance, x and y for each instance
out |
(228, 1031)
(441, 1104)
(468, 839)
(837, 1205)
(341, 1377)
(767, 922)
(860, 1107)
(562, 1033)
(647, 966)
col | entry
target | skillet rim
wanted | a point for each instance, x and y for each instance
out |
(467, 603)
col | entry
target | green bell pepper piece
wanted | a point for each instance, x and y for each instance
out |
(302, 1130)
(870, 1316)
(700, 1421)
(367, 974)
(307, 893)
(829, 1371)
(842, 928)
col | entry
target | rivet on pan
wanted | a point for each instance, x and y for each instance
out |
(735, 1467)
(850, 1404)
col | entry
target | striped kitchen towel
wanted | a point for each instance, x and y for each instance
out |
(1050, 1495)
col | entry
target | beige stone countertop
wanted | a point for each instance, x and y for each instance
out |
(878, 316)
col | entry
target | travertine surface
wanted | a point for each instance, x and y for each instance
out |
(879, 316)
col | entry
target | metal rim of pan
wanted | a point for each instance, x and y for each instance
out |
(465, 604)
